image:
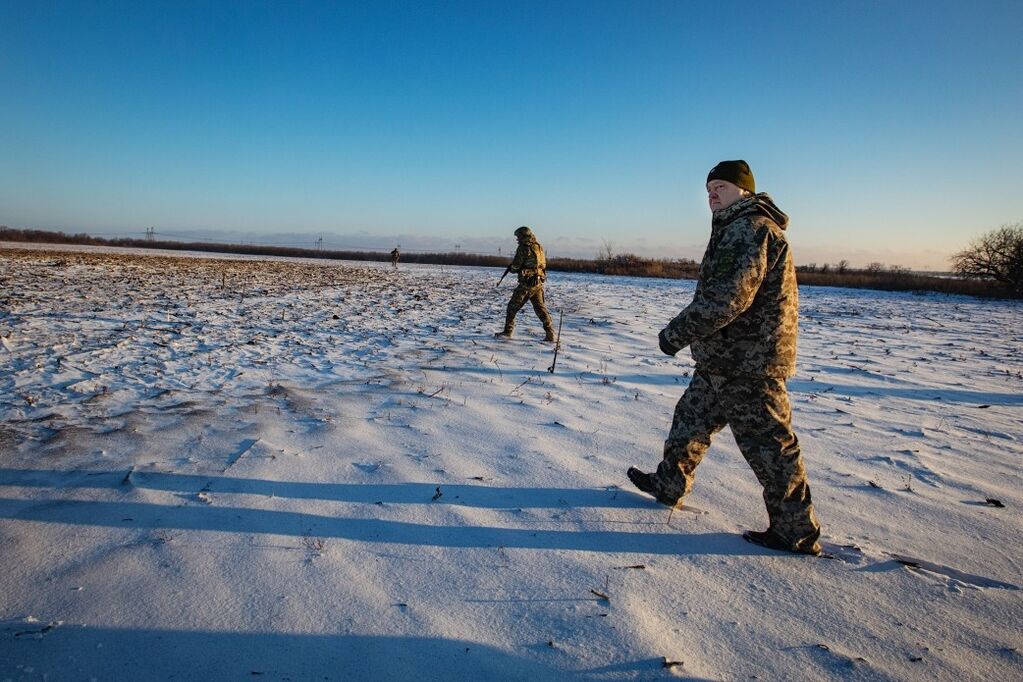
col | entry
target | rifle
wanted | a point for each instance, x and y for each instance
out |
(557, 342)
(506, 271)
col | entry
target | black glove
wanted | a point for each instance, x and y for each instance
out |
(666, 346)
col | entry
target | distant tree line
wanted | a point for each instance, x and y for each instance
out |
(992, 267)
(610, 263)
(48, 237)
(893, 278)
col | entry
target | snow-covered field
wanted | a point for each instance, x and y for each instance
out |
(237, 469)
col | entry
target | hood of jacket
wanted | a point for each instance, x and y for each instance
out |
(755, 204)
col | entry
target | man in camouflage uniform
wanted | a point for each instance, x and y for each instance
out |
(531, 265)
(741, 327)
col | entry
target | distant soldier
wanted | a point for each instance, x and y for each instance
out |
(394, 257)
(531, 265)
(741, 327)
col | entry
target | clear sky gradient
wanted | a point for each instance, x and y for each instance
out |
(889, 131)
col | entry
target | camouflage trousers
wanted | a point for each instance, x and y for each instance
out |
(758, 412)
(534, 294)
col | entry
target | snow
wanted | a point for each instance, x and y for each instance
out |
(240, 468)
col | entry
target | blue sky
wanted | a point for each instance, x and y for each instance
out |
(888, 131)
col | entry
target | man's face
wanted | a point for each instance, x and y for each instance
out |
(722, 194)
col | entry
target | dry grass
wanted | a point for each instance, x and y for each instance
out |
(241, 275)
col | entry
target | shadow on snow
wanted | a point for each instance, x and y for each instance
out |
(477, 496)
(298, 524)
(70, 652)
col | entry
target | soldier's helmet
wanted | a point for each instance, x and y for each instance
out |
(523, 233)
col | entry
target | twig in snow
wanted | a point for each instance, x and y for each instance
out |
(314, 545)
(528, 380)
(603, 595)
(557, 342)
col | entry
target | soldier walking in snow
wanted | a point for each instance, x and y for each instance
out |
(741, 327)
(394, 257)
(531, 265)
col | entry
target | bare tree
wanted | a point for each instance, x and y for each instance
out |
(842, 266)
(996, 255)
(605, 256)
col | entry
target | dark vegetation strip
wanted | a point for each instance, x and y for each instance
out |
(894, 278)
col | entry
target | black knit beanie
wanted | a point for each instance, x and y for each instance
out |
(735, 172)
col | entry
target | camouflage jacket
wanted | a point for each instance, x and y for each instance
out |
(744, 315)
(529, 261)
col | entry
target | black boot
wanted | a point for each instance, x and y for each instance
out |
(509, 327)
(768, 538)
(644, 482)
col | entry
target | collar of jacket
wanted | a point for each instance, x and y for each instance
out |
(755, 204)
